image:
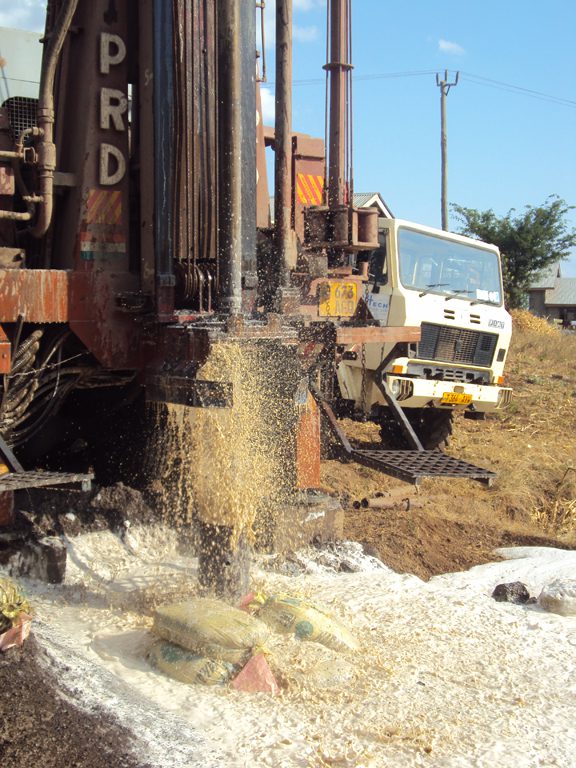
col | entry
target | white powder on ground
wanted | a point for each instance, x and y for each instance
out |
(447, 676)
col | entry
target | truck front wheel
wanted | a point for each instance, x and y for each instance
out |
(432, 426)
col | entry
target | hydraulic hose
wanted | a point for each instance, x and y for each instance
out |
(46, 146)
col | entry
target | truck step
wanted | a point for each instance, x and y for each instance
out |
(413, 466)
(16, 481)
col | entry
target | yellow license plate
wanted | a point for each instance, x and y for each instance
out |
(337, 299)
(456, 398)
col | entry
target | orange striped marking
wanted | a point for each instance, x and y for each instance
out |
(104, 207)
(310, 189)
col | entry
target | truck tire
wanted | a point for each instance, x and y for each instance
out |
(432, 426)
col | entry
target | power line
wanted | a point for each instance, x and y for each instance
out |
(469, 76)
(489, 82)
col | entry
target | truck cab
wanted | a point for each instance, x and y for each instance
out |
(450, 287)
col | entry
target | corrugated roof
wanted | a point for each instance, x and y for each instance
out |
(361, 198)
(547, 278)
(563, 294)
(368, 199)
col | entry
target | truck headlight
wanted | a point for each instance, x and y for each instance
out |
(395, 387)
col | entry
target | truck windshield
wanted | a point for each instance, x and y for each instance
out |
(432, 264)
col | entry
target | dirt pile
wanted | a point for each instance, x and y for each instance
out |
(39, 725)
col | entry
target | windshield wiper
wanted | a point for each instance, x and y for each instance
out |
(456, 292)
(433, 285)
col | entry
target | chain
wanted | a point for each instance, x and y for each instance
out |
(364, 383)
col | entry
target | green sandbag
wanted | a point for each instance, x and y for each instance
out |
(291, 615)
(188, 667)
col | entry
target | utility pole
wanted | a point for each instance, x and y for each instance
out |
(444, 86)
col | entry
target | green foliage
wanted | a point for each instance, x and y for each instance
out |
(529, 242)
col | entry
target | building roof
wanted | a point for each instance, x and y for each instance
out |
(563, 294)
(361, 200)
(547, 278)
(372, 199)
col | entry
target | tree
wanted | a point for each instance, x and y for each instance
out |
(529, 242)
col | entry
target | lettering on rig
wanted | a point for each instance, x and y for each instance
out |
(113, 108)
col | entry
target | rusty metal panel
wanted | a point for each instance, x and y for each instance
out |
(91, 102)
(307, 146)
(111, 335)
(5, 352)
(308, 446)
(262, 193)
(364, 335)
(40, 295)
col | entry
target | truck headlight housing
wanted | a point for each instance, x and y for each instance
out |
(402, 389)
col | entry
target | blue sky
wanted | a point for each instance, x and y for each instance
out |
(511, 119)
(508, 147)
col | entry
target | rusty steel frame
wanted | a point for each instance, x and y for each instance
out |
(338, 68)
(284, 235)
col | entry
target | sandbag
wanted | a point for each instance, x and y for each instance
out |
(559, 597)
(211, 628)
(187, 666)
(290, 615)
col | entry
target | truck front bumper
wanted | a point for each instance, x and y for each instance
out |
(448, 395)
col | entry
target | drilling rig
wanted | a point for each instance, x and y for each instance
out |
(136, 248)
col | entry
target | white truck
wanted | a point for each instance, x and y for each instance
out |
(450, 287)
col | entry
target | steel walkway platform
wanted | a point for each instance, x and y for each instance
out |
(16, 481)
(414, 466)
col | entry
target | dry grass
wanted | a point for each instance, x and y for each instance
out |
(523, 321)
(532, 448)
(534, 441)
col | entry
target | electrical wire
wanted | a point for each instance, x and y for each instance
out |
(468, 76)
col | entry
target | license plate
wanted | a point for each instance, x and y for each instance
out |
(456, 398)
(337, 299)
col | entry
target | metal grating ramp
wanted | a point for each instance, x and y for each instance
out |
(16, 481)
(413, 466)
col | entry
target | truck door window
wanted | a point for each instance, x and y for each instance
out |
(378, 268)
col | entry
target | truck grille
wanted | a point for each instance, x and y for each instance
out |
(456, 345)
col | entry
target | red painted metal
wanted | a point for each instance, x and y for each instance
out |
(374, 334)
(308, 446)
(39, 295)
(5, 352)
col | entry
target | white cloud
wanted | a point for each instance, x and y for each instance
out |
(301, 34)
(305, 34)
(445, 46)
(26, 14)
(268, 106)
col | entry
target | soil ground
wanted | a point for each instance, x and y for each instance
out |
(445, 525)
